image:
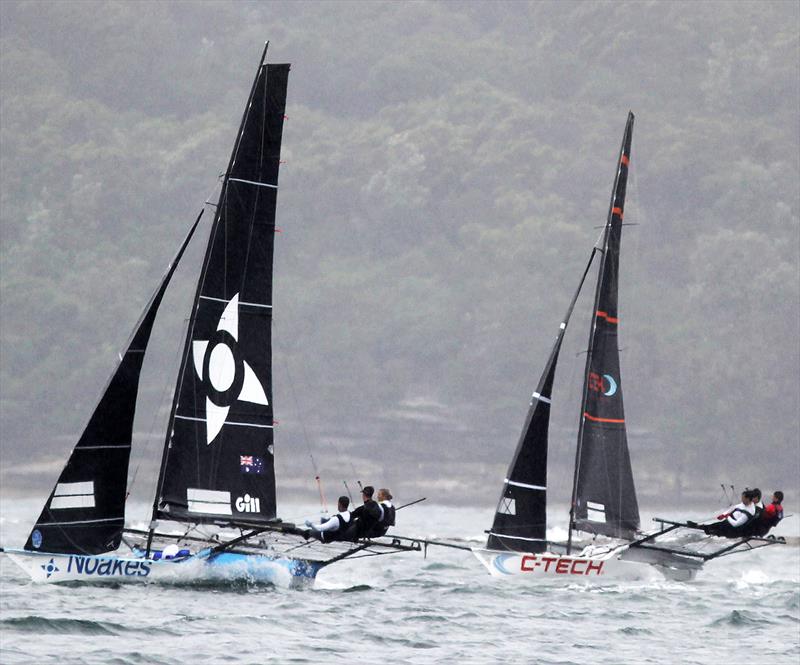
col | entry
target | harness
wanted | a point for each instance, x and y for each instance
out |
(750, 517)
(342, 520)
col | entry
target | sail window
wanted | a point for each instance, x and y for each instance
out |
(212, 502)
(596, 512)
(73, 495)
(508, 506)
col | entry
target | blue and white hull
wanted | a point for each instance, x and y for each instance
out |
(203, 567)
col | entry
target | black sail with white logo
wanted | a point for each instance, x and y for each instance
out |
(520, 522)
(85, 513)
(218, 459)
(604, 497)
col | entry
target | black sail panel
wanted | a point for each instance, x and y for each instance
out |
(604, 498)
(520, 522)
(85, 513)
(218, 458)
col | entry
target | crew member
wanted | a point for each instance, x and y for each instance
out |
(334, 527)
(757, 504)
(769, 517)
(365, 517)
(733, 519)
(387, 513)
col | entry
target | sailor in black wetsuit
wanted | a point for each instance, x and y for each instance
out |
(334, 527)
(387, 513)
(365, 518)
(757, 504)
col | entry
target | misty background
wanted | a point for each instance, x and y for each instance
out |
(447, 170)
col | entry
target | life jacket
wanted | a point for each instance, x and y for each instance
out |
(339, 533)
(363, 521)
(385, 520)
(387, 517)
(732, 515)
(770, 519)
(342, 521)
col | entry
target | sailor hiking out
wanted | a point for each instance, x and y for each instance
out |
(371, 519)
(732, 522)
(387, 513)
(334, 527)
(767, 518)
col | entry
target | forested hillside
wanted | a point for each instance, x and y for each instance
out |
(447, 169)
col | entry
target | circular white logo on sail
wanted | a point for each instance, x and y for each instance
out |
(222, 367)
(227, 376)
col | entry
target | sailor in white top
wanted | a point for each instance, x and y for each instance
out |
(733, 519)
(741, 513)
(332, 528)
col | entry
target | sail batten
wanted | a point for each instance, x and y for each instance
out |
(604, 496)
(220, 436)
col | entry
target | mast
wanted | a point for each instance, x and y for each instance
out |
(603, 494)
(85, 512)
(520, 521)
(217, 463)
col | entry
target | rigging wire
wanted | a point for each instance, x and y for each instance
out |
(304, 378)
(302, 424)
(321, 494)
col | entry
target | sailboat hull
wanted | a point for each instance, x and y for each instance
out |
(203, 567)
(593, 568)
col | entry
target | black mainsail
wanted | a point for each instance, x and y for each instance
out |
(85, 512)
(604, 497)
(520, 522)
(218, 454)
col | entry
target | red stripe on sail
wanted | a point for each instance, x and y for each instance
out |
(604, 315)
(602, 420)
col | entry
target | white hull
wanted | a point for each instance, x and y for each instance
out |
(203, 567)
(592, 567)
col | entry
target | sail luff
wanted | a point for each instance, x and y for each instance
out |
(603, 480)
(520, 521)
(217, 463)
(85, 512)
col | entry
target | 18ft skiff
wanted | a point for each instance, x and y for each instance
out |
(603, 502)
(217, 469)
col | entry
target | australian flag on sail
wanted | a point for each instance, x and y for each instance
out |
(251, 464)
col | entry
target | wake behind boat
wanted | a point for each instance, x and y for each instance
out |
(214, 515)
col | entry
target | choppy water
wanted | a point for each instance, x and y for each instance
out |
(406, 609)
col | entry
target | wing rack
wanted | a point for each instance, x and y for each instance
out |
(704, 548)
